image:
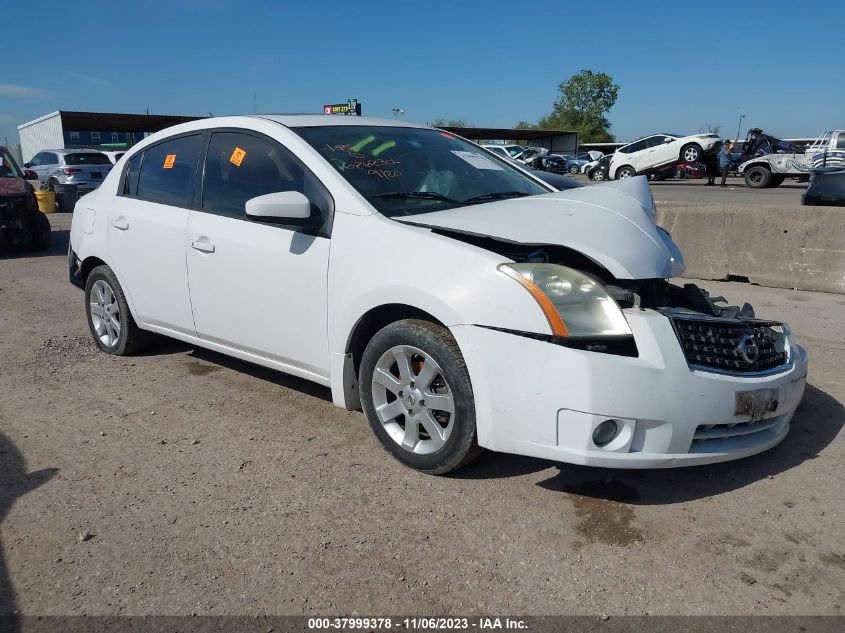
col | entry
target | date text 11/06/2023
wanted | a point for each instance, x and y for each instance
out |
(415, 624)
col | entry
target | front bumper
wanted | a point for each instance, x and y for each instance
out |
(543, 400)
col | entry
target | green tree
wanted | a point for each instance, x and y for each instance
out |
(450, 123)
(525, 125)
(584, 101)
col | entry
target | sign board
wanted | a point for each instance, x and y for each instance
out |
(350, 108)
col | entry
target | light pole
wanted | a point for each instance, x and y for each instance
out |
(397, 112)
(738, 126)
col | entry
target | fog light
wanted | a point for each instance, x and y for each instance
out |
(606, 432)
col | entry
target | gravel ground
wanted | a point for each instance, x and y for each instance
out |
(181, 481)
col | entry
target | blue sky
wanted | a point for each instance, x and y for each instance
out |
(680, 65)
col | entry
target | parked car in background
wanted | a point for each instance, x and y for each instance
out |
(456, 299)
(113, 156)
(826, 187)
(659, 151)
(597, 170)
(508, 151)
(554, 163)
(21, 223)
(85, 168)
(574, 165)
(685, 171)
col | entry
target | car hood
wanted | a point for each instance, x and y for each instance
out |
(610, 223)
(12, 187)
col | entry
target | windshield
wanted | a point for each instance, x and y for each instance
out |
(405, 171)
(8, 167)
(87, 158)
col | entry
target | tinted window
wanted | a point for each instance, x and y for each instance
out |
(241, 166)
(168, 169)
(87, 158)
(130, 182)
(50, 159)
(636, 147)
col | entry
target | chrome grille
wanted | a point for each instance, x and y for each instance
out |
(718, 345)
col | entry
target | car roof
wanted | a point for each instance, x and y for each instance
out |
(322, 120)
(72, 151)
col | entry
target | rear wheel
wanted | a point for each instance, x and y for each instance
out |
(777, 180)
(626, 171)
(574, 169)
(416, 393)
(758, 177)
(691, 153)
(111, 324)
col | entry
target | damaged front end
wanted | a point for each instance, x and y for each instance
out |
(713, 335)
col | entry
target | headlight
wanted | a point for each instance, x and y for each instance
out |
(574, 303)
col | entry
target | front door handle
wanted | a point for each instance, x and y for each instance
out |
(202, 244)
(120, 223)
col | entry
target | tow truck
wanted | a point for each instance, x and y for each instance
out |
(767, 161)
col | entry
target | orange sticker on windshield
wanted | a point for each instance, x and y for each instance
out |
(169, 160)
(237, 157)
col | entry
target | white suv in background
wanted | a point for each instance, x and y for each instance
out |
(507, 151)
(458, 300)
(659, 151)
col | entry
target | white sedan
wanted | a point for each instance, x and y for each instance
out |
(461, 302)
(660, 151)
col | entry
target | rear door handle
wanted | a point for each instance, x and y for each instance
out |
(120, 223)
(202, 244)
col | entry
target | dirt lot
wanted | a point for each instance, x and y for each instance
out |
(206, 485)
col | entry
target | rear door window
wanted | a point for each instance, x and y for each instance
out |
(168, 171)
(240, 166)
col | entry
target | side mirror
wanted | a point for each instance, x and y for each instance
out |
(30, 175)
(283, 207)
(668, 140)
(27, 165)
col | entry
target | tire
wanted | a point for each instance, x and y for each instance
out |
(598, 174)
(42, 233)
(51, 184)
(574, 169)
(777, 180)
(388, 390)
(119, 335)
(758, 177)
(626, 171)
(691, 153)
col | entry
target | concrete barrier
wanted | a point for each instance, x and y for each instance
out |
(778, 246)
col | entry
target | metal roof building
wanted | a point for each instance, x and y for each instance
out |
(98, 130)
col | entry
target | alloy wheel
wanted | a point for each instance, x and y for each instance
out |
(105, 313)
(412, 399)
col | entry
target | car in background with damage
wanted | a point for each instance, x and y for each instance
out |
(21, 223)
(459, 301)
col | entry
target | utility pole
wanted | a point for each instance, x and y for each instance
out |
(738, 126)
(397, 112)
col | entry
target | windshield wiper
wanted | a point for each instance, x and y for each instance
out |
(496, 195)
(419, 195)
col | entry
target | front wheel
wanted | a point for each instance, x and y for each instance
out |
(42, 233)
(416, 393)
(111, 324)
(573, 169)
